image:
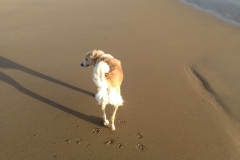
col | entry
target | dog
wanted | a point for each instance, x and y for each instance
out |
(108, 76)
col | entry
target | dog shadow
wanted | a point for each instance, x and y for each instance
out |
(8, 64)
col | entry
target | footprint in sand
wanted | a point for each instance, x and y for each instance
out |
(121, 121)
(140, 146)
(108, 141)
(96, 130)
(139, 135)
(78, 140)
(119, 144)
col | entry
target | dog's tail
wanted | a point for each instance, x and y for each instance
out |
(102, 96)
(99, 79)
(114, 98)
(109, 96)
(99, 75)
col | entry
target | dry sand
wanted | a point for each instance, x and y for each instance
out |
(47, 110)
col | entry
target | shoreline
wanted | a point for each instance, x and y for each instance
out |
(214, 10)
(223, 72)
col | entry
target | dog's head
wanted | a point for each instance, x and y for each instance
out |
(91, 58)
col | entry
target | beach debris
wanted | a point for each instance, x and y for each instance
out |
(139, 135)
(96, 130)
(108, 141)
(140, 146)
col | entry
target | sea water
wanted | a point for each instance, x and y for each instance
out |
(227, 9)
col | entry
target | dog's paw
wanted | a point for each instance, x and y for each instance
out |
(106, 122)
(113, 128)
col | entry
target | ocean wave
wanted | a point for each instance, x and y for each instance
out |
(227, 9)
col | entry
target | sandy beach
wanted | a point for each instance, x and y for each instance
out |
(175, 60)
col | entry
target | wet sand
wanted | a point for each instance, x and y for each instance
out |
(218, 70)
(47, 108)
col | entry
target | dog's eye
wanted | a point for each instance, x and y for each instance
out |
(86, 59)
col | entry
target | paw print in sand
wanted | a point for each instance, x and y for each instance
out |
(139, 135)
(121, 121)
(140, 146)
(118, 144)
(96, 130)
(78, 140)
(108, 141)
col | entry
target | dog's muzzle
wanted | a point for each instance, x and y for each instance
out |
(83, 65)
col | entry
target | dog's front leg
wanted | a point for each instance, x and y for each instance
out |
(105, 121)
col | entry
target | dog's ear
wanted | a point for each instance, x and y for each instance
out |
(94, 54)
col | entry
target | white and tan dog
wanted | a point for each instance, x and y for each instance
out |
(108, 76)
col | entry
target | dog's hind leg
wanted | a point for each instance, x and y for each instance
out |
(115, 108)
(105, 121)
